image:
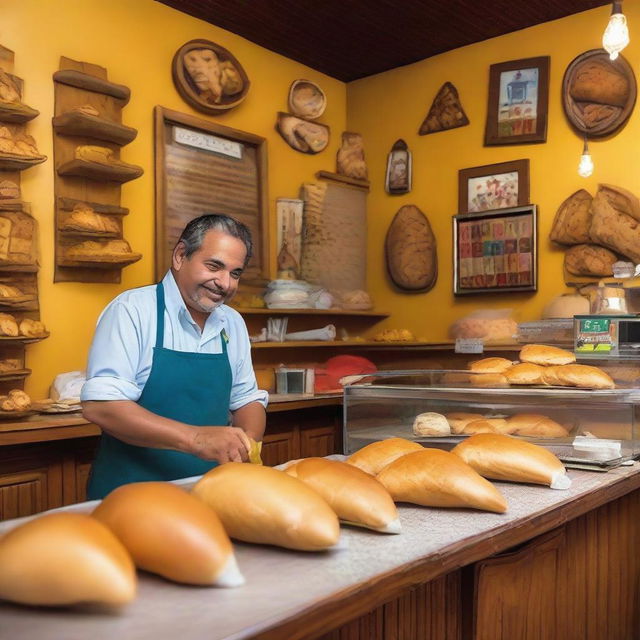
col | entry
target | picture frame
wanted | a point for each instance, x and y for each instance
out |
(493, 186)
(496, 251)
(518, 104)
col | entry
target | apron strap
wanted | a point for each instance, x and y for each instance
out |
(160, 315)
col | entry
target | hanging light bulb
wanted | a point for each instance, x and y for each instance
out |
(616, 36)
(585, 168)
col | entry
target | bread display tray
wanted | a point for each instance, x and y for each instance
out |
(14, 162)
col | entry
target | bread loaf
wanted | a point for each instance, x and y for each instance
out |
(550, 377)
(545, 355)
(84, 218)
(32, 328)
(431, 424)
(435, 478)
(9, 291)
(170, 532)
(490, 365)
(8, 325)
(94, 153)
(615, 229)
(487, 425)
(489, 380)
(20, 399)
(589, 260)
(356, 497)
(573, 219)
(263, 505)
(9, 190)
(585, 376)
(377, 455)
(525, 373)
(598, 80)
(459, 420)
(63, 559)
(536, 426)
(501, 457)
(10, 364)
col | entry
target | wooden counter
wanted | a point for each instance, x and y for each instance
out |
(574, 576)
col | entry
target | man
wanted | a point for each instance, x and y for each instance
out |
(170, 361)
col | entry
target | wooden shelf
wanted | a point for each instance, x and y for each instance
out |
(76, 123)
(101, 172)
(89, 82)
(67, 204)
(21, 339)
(16, 374)
(22, 268)
(371, 344)
(100, 262)
(311, 312)
(17, 113)
(13, 162)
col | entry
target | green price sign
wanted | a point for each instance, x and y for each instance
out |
(595, 325)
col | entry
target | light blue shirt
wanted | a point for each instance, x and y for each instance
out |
(122, 349)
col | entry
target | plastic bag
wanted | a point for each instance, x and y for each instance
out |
(494, 326)
(66, 387)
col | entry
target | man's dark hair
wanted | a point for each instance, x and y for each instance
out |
(193, 234)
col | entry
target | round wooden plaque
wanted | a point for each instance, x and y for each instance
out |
(208, 77)
(598, 94)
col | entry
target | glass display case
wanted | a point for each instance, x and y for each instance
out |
(601, 425)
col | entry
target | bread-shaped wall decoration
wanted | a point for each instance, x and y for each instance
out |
(436, 478)
(9, 190)
(306, 99)
(170, 532)
(83, 218)
(62, 559)
(411, 251)
(584, 376)
(543, 354)
(446, 112)
(501, 457)
(621, 199)
(87, 109)
(589, 260)
(573, 219)
(350, 158)
(9, 90)
(9, 291)
(536, 426)
(302, 135)
(263, 505)
(8, 326)
(113, 251)
(18, 143)
(356, 497)
(490, 365)
(7, 365)
(377, 455)
(525, 373)
(95, 153)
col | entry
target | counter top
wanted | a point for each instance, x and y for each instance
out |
(294, 594)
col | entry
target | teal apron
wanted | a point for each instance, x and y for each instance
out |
(194, 388)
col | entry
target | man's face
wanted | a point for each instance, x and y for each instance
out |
(209, 277)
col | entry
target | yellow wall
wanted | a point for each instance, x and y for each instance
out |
(136, 41)
(392, 105)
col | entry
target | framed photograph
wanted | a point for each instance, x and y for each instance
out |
(495, 251)
(493, 186)
(518, 102)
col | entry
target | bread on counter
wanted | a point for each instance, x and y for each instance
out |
(431, 424)
(263, 505)
(490, 365)
(544, 355)
(535, 425)
(8, 325)
(501, 457)
(62, 559)
(436, 478)
(525, 373)
(170, 532)
(356, 496)
(582, 375)
(377, 455)
(32, 328)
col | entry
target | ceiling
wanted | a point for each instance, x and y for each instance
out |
(351, 39)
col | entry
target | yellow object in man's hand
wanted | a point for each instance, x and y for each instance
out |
(254, 452)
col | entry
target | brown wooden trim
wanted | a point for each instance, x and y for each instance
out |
(336, 177)
(89, 82)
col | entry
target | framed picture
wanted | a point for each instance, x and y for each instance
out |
(518, 102)
(493, 186)
(495, 251)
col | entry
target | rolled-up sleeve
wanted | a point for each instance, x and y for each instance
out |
(245, 388)
(114, 357)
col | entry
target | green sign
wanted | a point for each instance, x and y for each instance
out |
(595, 325)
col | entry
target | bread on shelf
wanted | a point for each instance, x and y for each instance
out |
(85, 219)
(490, 365)
(486, 425)
(32, 328)
(377, 455)
(525, 373)
(431, 424)
(8, 325)
(7, 365)
(15, 400)
(544, 355)
(586, 376)
(171, 533)
(93, 251)
(536, 425)
(62, 559)
(459, 419)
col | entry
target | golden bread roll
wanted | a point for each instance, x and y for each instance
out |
(356, 496)
(435, 478)
(431, 424)
(502, 457)
(458, 420)
(20, 399)
(94, 153)
(489, 380)
(8, 291)
(486, 425)
(63, 559)
(490, 365)
(8, 325)
(525, 373)
(545, 355)
(377, 455)
(10, 364)
(31, 328)
(7, 404)
(263, 505)
(170, 532)
(582, 375)
(455, 377)
(550, 376)
(536, 425)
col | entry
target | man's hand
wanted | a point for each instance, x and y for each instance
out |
(224, 444)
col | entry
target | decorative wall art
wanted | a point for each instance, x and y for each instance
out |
(289, 248)
(411, 251)
(598, 94)
(350, 158)
(208, 77)
(446, 112)
(399, 167)
(306, 99)
(302, 135)
(495, 251)
(493, 186)
(518, 102)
